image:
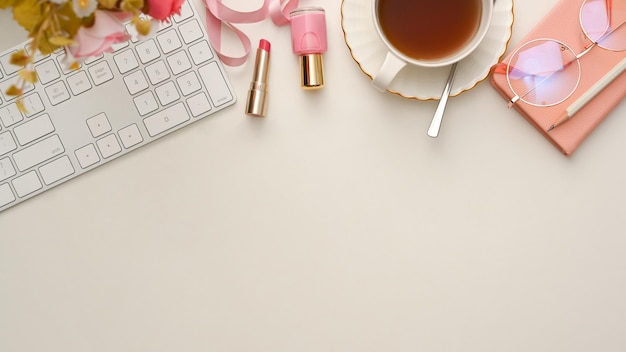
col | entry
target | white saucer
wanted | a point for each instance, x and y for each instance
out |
(424, 83)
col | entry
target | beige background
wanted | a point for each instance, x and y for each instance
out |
(334, 224)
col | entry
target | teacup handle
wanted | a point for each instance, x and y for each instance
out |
(388, 71)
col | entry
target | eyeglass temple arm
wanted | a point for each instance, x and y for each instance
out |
(502, 68)
(516, 98)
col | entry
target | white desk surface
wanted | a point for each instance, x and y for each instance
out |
(334, 224)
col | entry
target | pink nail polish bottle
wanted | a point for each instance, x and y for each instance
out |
(308, 39)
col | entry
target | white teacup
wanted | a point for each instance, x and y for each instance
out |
(427, 33)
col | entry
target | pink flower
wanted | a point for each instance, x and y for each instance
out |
(108, 29)
(162, 9)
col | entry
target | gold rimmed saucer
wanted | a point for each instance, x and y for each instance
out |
(420, 83)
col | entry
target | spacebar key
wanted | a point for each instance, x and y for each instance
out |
(166, 119)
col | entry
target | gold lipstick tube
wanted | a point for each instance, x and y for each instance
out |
(257, 94)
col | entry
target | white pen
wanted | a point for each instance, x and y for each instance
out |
(590, 94)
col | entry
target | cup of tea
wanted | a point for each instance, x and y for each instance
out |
(427, 33)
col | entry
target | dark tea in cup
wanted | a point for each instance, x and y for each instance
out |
(429, 29)
(427, 33)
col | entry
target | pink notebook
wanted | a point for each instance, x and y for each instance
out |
(562, 23)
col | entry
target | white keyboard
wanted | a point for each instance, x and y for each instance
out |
(77, 120)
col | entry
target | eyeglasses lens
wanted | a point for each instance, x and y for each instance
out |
(545, 72)
(603, 22)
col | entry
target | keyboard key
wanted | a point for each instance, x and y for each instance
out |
(179, 62)
(126, 61)
(185, 13)
(6, 169)
(79, 83)
(38, 153)
(146, 103)
(108, 146)
(189, 83)
(92, 59)
(56, 170)
(98, 125)
(100, 73)
(147, 51)
(157, 72)
(26, 184)
(136, 82)
(33, 129)
(163, 25)
(132, 32)
(166, 119)
(38, 56)
(199, 104)
(10, 115)
(167, 93)
(47, 72)
(7, 143)
(87, 156)
(4, 85)
(130, 136)
(119, 46)
(33, 104)
(6, 195)
(6, 65)
(66, 66)
(169, 41)
(215, 83)
(200, 52)
(191, 31)
(57, 93)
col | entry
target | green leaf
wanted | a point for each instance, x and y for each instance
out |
(5, 4)
(70, 23)
(20, 106)
(19, 58)
(13, 91)
(28, 75)
(61, 41)
(28, 14)
(132, 6)
(108, 4)
(45, 47)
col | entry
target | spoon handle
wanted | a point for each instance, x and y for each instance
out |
(435, 124)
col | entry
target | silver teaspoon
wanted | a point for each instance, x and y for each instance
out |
(435, 124)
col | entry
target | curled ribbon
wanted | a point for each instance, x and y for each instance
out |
(217, 15)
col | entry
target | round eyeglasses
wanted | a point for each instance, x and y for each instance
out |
(545, 72)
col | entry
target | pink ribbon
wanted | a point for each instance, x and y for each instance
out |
(217, 15)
